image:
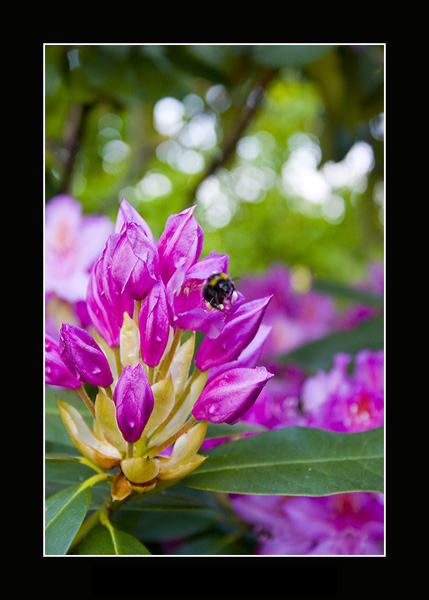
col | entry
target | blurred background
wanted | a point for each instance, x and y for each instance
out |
(281, 147)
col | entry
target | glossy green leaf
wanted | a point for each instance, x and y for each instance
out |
(64, 513)
(110, 541)
(319, 354)
(297, 461)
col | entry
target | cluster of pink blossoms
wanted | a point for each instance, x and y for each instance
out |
(73, 242)
(142, 295)
(348, 398)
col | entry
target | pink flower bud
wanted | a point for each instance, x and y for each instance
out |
(240, 329)
(83, 356)
(229, 395)
(134, 402)
(56, 372)
(154, 324)
(127, 213)
(105, 302)
(180, 243)
(134, 260)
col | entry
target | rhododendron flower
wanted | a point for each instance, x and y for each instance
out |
(341, 399)
(295, 318)
(146, 302)
(342, 524)
(72, 244)
(190, 308)
(338, 401)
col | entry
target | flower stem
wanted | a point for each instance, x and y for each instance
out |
(86, 399)
(130, 450)
(165, 365)
(137, 306)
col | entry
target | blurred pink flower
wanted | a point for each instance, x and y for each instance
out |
(357, 312)
(72, 244)
(342, 399)
(295, 318)
(342, 524)
(338, 401)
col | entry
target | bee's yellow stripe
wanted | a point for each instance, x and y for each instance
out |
(216, 280)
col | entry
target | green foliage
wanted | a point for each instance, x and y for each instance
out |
(64, 514)
(103, 144)
(110, 541)
(295, 461)
(319, 354)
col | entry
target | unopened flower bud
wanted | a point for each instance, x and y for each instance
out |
(134, 402)
(83, 356)
(134, 260)
(154, 324)
(229, 395)
(56, 372)
(240, 329)
(180, 243)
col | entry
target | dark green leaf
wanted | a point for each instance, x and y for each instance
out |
(59, 475)
(298, 461)
(218, 430)
(110, 541)
(158, 526)
(64, 513)
(348, 292)
(319, 354)
(289, 55)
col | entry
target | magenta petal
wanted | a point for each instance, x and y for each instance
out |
(134, 260)
(240, 329)
(106, 304)
(134, 402)
(83, 356)
(56, 372)
(127, 213)
(180, 243)
(249, 357)
(190, 309)
(154, 324)
(228, 396)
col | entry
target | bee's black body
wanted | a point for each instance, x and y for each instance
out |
(217, 288)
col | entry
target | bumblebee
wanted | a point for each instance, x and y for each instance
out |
(217, 289)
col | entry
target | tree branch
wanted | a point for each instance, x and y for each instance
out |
(249, 108)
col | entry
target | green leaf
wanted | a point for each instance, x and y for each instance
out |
(319, 354)
(111, 541)
(341, 290)
(297, 461)
(158, 526)
(64, 513)
(218, 430)
(289, 55)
